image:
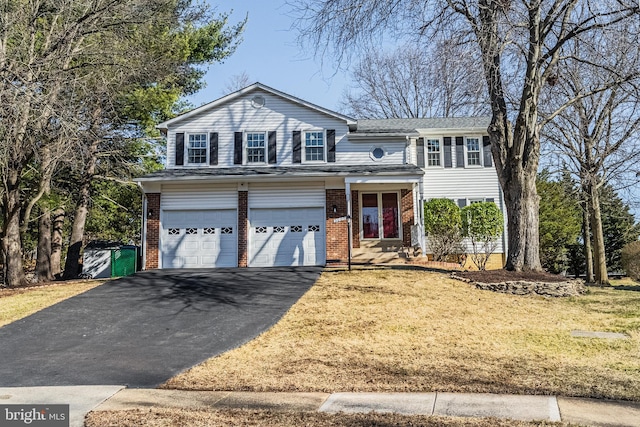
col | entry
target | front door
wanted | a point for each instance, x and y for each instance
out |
(380, 216)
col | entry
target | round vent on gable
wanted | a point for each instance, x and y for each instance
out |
(257, 101)
(377, 153)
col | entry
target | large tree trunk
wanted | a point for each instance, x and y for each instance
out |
(586, 236)
(522, 202)
(56, 241)
(43, 260)
(72, 266)
(72, 263)
(515, 149)
(12, 241)
(601, 276)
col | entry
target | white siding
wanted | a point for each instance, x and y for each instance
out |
(359, 152)
(185, 197)
(278, 114)
(279, 196)
(460, 183)
(469, 183)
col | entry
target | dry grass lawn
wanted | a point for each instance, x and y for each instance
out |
(22, 302)
(391, 330)
(157, 417)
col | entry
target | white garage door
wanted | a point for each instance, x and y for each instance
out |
(286, 237)
(199, 238)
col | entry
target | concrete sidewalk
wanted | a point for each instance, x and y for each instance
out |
(81, 399)
(584, 412)
(589, 412)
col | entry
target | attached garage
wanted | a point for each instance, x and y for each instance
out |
(287, 226)
(199, 228)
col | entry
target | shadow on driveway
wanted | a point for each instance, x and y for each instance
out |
(143, 329)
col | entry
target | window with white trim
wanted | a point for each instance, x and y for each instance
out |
(197, 148)
(256, 147)
(473, 152)
(314, 146)
(433, 152)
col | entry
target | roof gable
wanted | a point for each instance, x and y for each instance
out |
(254, 87)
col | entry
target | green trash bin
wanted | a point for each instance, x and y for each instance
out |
(123, 261)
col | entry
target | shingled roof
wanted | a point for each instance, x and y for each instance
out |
(369, 126)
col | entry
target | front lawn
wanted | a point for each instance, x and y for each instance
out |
(395, 330)
(160, 417)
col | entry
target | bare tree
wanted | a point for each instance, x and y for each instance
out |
(520, 44)
(52, 54)
(236, 82)
(597, 135)
(414, 81)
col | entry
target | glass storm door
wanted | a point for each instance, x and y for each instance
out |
(380, 216)
(390, 215)
(370, 223)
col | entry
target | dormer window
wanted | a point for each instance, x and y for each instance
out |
(197, 148)
(314, 146)
(256, 147)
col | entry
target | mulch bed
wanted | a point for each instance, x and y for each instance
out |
(499, 276)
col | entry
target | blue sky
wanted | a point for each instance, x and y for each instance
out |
(269, 54)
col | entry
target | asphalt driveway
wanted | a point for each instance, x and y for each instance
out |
(141, 330)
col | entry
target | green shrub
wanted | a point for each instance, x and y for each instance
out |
(631, 260)
(442, 223)
(482, 223)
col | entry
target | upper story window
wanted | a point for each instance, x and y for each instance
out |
(256, 147)
(473, 152)
(197, 148)
(433, 152)
(314, 146)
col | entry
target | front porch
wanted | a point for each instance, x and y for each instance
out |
(374, 222)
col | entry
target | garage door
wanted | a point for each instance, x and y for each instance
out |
(199, 238)
(286, 237)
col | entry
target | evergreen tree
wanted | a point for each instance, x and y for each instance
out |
(560, 220)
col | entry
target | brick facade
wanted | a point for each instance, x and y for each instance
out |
(406, 208)
(243, 228)
(337, 232)
(153, 231)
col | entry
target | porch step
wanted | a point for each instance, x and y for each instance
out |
(379, 252)
(380, 246)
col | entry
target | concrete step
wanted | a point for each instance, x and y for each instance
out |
(366, 256)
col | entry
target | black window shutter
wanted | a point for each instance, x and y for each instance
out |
(297, 146)
(179, 149)
(420, 152)
(462, 203)
(447, 152)
(459, 152)
(272, 147)
(486, 151)
(331, 145)
(237, 148)
(213, 148)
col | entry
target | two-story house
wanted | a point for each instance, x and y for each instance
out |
(262, 178)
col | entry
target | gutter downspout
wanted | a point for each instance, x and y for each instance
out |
(349, 224)
(143, 232)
